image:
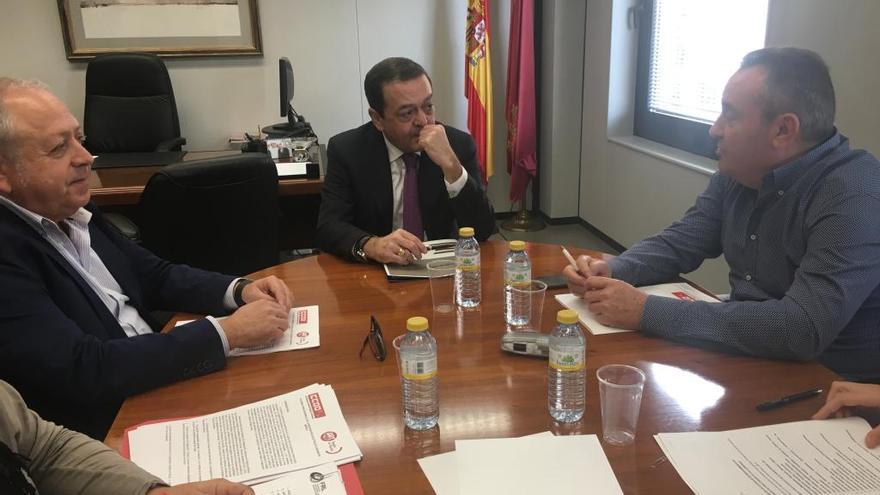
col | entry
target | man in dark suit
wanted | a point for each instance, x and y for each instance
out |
(76, 335)
(401, 178)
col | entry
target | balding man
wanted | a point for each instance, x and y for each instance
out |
(76, 335)
(794, 212)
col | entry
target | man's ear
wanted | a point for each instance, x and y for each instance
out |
(5, 180)
(377, 120)
(786, 130)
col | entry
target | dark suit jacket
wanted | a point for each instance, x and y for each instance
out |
(357, 200)
(62, 348)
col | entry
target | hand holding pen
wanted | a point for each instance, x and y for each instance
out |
(578, 271)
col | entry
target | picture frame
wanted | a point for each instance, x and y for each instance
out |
(167, 28)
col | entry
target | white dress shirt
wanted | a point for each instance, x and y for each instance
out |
(398, 172)
(75, 247)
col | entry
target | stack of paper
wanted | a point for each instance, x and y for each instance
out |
(805, 457)
(681, 291)
(302, 333)
(250, 444)
(540, 463)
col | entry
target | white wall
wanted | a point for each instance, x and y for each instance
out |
(331, 43)
(561, 96)
(631, 194)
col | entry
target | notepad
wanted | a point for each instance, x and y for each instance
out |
(440, 249)
(682, 291)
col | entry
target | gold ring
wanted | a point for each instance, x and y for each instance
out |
(400, 252)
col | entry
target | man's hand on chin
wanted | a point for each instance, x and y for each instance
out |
(434, 142)
(615, 303)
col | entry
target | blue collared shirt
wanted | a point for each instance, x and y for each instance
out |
(804, 257)
(75, 246)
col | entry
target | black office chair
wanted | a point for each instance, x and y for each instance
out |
(219, 214)
(130, 105)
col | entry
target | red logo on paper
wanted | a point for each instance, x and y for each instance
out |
(332, 446)
(684, 296)
(302, 316)
(302, 334)
(317, 407)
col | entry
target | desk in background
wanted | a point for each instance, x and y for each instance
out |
(120, 189)
(484, 392)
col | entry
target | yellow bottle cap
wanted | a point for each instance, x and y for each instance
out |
(417, 324)
(567, 316)
(517, 245)
(466, 232)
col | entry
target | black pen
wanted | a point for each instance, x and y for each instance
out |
(773, 404)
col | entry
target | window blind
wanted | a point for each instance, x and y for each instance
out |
(697, 45)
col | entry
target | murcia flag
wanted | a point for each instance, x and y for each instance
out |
(478, 82)
(520, 101)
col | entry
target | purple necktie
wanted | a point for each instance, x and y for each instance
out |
(412, 213)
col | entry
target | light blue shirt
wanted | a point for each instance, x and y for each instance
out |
(75, 247)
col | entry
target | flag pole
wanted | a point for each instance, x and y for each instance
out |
(523, 221)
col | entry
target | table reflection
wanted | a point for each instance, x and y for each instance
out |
(693, 393)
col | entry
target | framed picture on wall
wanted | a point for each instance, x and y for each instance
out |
(168, 28)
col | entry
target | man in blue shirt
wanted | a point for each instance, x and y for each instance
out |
(796, 215)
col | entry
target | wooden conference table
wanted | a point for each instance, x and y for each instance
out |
(124, 186)
(484, 392)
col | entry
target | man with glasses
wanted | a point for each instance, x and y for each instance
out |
(401, 178)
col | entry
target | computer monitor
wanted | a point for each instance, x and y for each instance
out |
(296, 124)
(285, 84)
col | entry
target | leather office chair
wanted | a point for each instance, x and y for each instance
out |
(130, 105)
(219, 214)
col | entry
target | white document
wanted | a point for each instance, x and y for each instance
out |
(319, 480)
(805, 457)
(302, 332)
(682, 291)
(442, 469)
(563, 464)
(288, 169)
(438, 249)
(250, 444)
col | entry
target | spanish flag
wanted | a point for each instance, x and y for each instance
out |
(478, 82)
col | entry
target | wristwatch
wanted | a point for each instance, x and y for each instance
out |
(357, 251)
(237, 289)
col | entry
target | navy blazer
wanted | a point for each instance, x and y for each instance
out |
(62, 348)
(357, 197)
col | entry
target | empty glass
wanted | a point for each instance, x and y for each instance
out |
(526, 306)
(442, 275)
(620, 397)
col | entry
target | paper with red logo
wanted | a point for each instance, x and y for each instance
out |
(250, 444)
(319, 480)
(302, 333)
(682, 291)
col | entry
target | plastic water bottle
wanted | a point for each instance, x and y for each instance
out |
(467, 269)
(517, 273)
(418, 369)
(567, 373)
